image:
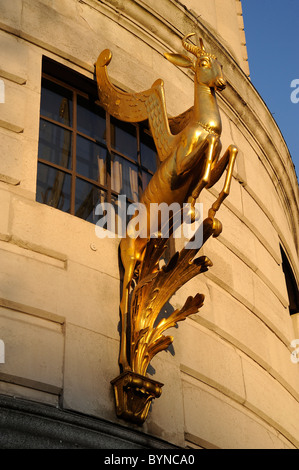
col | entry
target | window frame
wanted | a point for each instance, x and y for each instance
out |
(87, 89)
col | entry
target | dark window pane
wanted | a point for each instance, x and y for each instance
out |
(124, 177)
(291, 284)
(91, 119)
(53, 187)
(146, 177)
(86, 199)
(121, 215)
(56, 102)
(148, 152)
(91, 160)
(54, 144)
(123, 138)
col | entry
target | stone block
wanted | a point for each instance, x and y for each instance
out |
(13, 56)
(11, 14)
(271, 272)
(62, 233)
(5, 214)
(90, 299)
(219, 422)
(34, 349)
(244, 146)
(295, 322)
(30, 279)
(259, 183)
(19, 162)
(20, 62)
(13, 109)
(237, 324)
(230, 272)
(62, 288)
(207, 10)
(31, 117)
(166, 415)
(28, 165)
(282, 366)
(91, 362)
(182, 86)
(253, 335)
(226, 135)
(238, 237)
(39, 20)
(266, 397)
(269, 309)
(12, 151)
(260, 224)
(209, 358)
(239, 168)
(26, 392)
(219, 255)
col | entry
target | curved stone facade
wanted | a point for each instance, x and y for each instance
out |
(229, 381)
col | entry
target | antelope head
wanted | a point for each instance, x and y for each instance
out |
(208, 71)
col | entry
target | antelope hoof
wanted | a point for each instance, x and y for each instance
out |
(217, 227)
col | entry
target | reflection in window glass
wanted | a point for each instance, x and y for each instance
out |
(91, 160)
(53, 187)
(124, 178)
(148, 152)
(123, 138)
(91, 120)
(85, 155)
(54, 144)
(121, 215)
(87, 198)
(146, 177)
(56, 103)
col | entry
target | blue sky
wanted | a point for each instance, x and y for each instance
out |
(271, 29)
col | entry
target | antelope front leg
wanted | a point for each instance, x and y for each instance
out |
(204, 181)
(228, 160)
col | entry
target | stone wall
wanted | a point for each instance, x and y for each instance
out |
(229, 381)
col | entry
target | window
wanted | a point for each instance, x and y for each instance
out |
(291, 284)
(85, 156)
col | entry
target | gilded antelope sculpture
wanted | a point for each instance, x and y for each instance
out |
(188, 147)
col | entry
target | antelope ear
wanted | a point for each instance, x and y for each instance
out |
(179, 59)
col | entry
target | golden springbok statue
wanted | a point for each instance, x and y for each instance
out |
(188, 147)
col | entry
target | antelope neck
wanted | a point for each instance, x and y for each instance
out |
(206, 110)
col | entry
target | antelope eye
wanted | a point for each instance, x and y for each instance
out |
(204, 63)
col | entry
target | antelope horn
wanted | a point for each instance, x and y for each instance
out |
(190, 47)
